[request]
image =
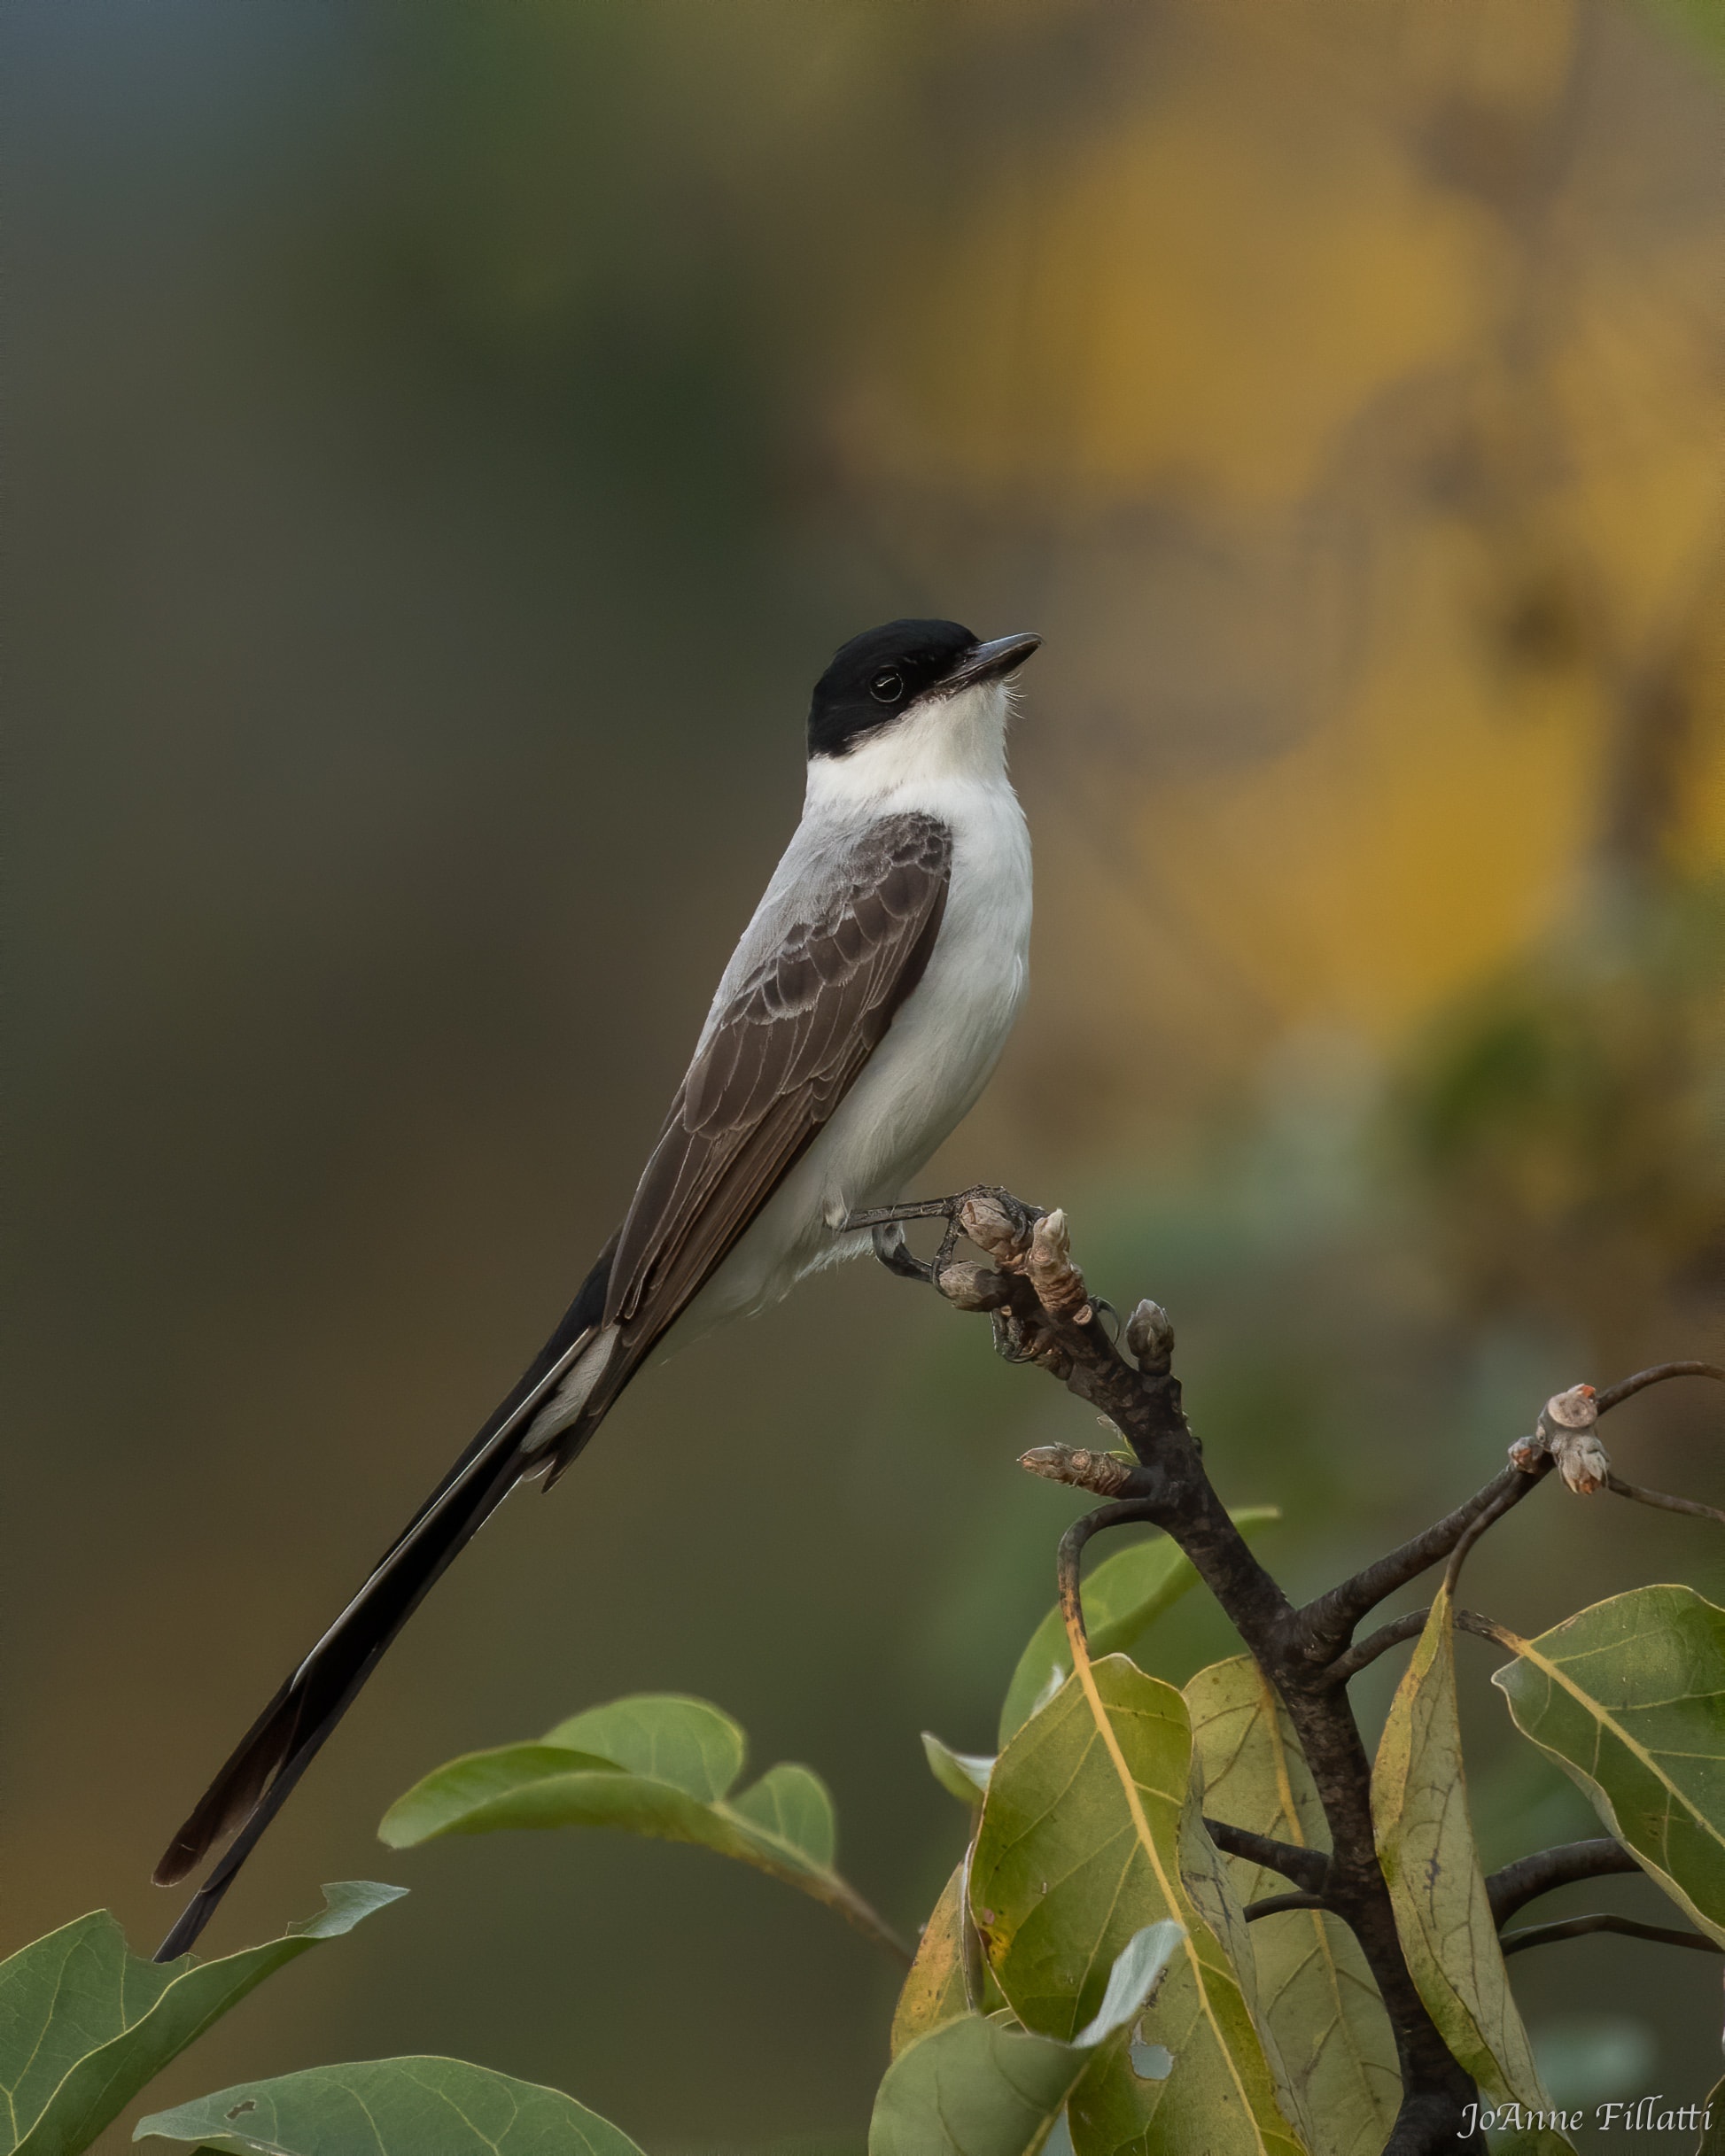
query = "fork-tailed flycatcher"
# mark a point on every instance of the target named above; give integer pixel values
(858, 1020)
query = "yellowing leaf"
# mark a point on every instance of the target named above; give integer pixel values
(1080, 1847)
(1426, 1846)
(1315, 1990)
(934, 1991)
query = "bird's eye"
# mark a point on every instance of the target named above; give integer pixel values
(887, 687)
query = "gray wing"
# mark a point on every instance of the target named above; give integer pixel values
(778, 1056)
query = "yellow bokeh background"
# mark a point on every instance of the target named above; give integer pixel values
(1255, 260)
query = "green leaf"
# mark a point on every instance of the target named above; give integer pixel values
(1628, 1697)
(961, 1774)
(1426, 1846)
(791, 1803)
(655, 1765)
(688, 1742)
(1315, 1990)
(85, 2023)
(1079, 1849)
(1124, 1597)
(391, 2107)
(1000, 2088)
(978, 2087)
(456, 1798)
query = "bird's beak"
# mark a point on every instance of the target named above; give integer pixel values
(990, 661)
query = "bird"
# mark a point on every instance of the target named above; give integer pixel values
(861, 1014)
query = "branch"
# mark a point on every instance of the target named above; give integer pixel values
(1626, 1388)
(1042, 1315)
(1273, 1904)
(1409, 1627)
(1530, 1877)
(1308, 1868)
(1327, 1621)
(1626, 1928)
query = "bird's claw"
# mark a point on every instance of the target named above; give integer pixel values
(895, 1254)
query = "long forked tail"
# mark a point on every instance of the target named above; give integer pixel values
(280, 1744)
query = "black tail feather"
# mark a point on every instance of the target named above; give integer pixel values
(263, 1769)
(262, 1773)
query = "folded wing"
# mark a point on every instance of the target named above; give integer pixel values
(776, 1061)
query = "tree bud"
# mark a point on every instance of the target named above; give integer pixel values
(972, 1287)
(1099, 1472)
(1150, 1336)
(1582, 1461)
(1566, 1430)
(1575, 1409)
(1059, 1284)
(991, 1227)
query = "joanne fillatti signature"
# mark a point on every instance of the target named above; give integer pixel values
(1642, 2116)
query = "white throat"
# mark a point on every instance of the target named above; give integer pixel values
(943, 743)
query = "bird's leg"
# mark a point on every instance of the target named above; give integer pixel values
(886, 1223)
(1023, 1217)
(912, 1209)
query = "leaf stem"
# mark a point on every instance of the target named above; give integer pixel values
(1489, 1517)
(1068, 1562)
(1625, 1928)
(839, 1894)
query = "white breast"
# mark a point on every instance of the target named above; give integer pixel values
(947, 1036)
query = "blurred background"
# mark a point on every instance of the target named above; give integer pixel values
(447, 442)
